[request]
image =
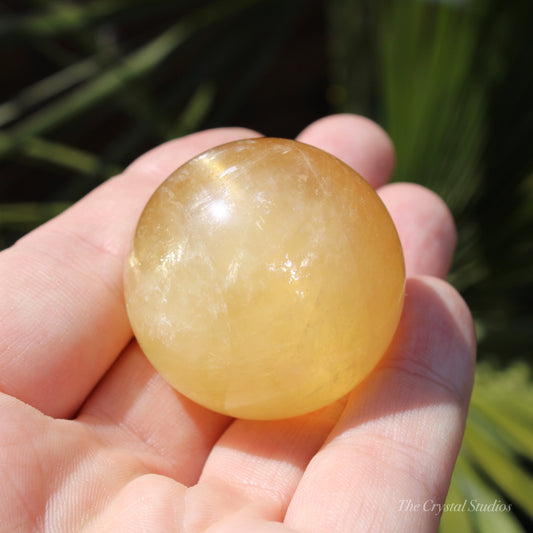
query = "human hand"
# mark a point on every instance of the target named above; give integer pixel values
(93, 439)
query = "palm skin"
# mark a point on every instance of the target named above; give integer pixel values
(93, 439)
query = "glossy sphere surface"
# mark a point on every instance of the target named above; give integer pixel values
(265, 279)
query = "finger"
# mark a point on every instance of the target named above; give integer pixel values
(62, 310)
(425, 227)
(399, 436)
(159, 504)
(259, 463)
(134, 408)
(357, 141)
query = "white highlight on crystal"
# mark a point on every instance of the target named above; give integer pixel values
(219, 210)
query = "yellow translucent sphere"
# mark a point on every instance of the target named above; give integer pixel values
(265, 280)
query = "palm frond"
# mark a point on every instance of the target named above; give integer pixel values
(494, 465)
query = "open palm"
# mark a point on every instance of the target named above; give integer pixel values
(93, 439)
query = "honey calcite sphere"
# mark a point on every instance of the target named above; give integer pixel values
(265, 279)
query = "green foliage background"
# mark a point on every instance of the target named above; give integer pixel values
(89, 85)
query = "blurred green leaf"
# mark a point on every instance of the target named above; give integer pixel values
(484, 508)
(196, 110)
(47, 88)
(499, 463)
(498, 444)
(58, 18)
(62, 155)
(30, 213)
(491, 467)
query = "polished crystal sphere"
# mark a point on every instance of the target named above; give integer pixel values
(265, 279)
